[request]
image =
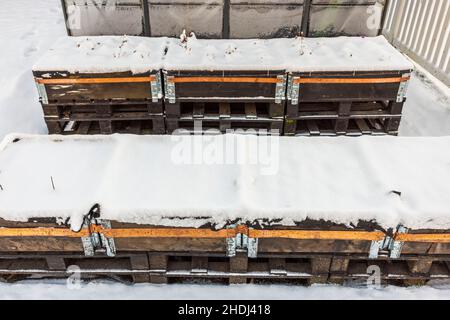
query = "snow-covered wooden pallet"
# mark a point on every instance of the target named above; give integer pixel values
(133, 206)
(168, 75)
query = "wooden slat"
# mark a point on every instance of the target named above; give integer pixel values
(223, 233)
(84, 126)
(312, 127)
(95, 80)
(319, 235)
(351, 80)
(165, 233)
(225, 79)
(224, 110)
(250, 110)
(362, 126)
(42, 232)
(198, 110)
(411, 237)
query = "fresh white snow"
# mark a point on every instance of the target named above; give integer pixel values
(293, 55)
(143, 179)
(104, 54)
(56, 290)
(27, 30)
(137, 54)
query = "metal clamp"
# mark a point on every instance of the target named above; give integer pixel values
(233, 242)
(293, 90)
(280, 89)
(156, 87)
(401, 94)
(396, 247)
(97, 242)
(375, 248)
(242, 242)
(169, 87)
(42, 92)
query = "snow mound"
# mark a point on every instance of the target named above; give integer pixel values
(153, 179)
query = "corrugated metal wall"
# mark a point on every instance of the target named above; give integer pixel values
(421, 29)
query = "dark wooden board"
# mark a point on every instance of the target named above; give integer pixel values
(214, 90)
(98, 91)
(322, 92)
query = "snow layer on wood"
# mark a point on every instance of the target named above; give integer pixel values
(150, 179)
(103, 54)
(298, 54)
(190, 53)
(344, 54)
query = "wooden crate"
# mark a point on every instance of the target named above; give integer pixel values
(146, 253)
(352, 103)
(224, 86)
(67, 88)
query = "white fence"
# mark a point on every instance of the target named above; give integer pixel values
(421, 29)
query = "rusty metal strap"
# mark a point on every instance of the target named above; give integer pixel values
(95, 80)
(225, 80)
(351, 80)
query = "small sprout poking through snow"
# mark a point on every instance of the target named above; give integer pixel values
(183, 36)
(231, 48)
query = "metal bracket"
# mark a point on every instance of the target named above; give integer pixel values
(375, 247)
(107, 243)
(89, 243)
(280, 89)
(242, 242)
(252, 247)
(232, 243)
(156, 88)
(97, 242)
(42, 92)
(293, 90)
(403, 88)
(396, 246)
(169, 86)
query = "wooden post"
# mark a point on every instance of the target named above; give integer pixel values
(140, 262)
(239, 263)
(145, 10)
(158, 263)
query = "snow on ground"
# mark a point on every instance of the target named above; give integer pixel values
(58, 289)
(28, 28)
(427, 109)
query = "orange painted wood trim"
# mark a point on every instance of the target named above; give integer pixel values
(225, 79)
(351, 80)
(223, 233)
(317, 234)
(95, 80)
(42, 232)
(433, 237)
(164, 233)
